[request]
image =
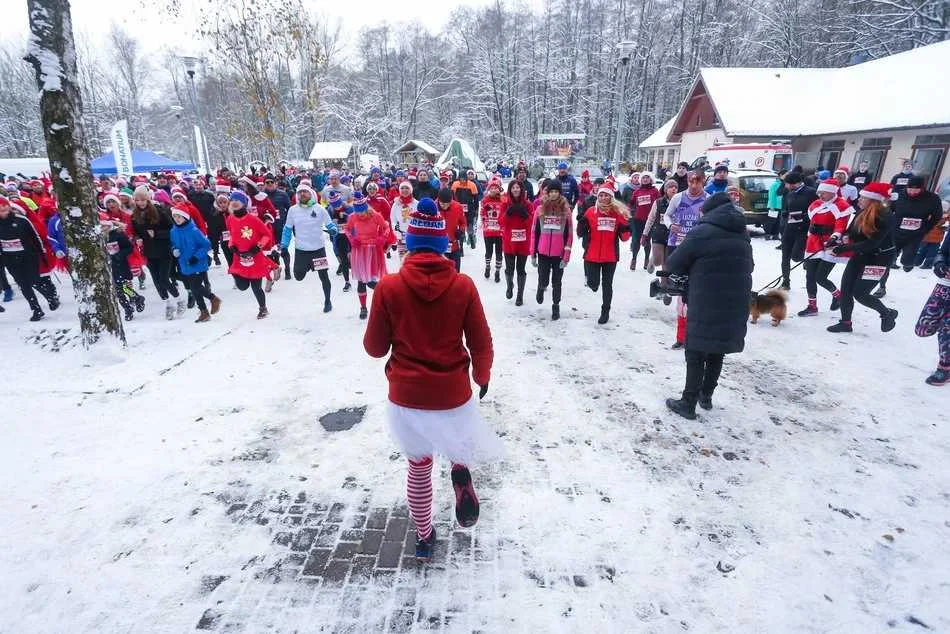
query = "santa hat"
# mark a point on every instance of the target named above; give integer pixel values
(239, 196)
(178, 191)
(426, 228)
(359, 203)
(606, 188)
(306, 181)
(336, 201)
(843, 169)
(36, 183)
(446, 175)
(495, 182)
(112, 197)
(876, 191)
(585, 174)
(222, 186)
(829, 186)
(126, 191)
(405, 185)
(181, 210)
(372, 184)
(247, 180)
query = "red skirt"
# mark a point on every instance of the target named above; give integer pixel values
(255, 267)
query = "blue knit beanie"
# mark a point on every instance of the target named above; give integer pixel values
(240, 197)
(335, 200)
(426, 230)
(359, 202)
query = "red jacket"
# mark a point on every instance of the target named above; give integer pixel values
(421, 313)
(381, 206)
(827, 219)
(491, 214)
(642, 199)
(262, 206)
(454, 222)
(585, 187)
(605, 231)
(515, 230)
(246, 233)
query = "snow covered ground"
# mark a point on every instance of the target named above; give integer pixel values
(192, 486)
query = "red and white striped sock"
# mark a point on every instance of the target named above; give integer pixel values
(836, 293)
(362, 297)
(419, 493)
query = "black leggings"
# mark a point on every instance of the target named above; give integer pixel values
(513, 262)
(816, 274)
(303, 264)
(638, 227)
(549, 268)
(456, 256)
(493, 244)
(793, 247)
(4, 282)
(255, 285)
(161, 270)
(199, 287)
(25, 272)
(854, 288)
(601, 271)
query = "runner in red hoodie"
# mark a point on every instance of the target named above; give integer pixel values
(421, 314)
(641, 200)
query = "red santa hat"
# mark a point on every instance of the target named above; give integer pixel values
(112, 197)
(606, 188)
(179, 209)
(222, 186)
(247, 180)
(876, 191)
(178, 191)
(494, 182)
(843, 169)
(829, 186)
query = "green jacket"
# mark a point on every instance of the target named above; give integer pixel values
(775, 201)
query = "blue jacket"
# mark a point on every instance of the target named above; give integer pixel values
(192, 247)
(716, 187)
(54, 229)
(569, 188)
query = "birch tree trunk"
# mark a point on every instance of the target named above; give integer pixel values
(52, 53)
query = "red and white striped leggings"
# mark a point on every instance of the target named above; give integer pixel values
(419, 494)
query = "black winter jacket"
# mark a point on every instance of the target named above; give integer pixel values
(717, 257)
(119, 248)
(924, 208)
(795, 204)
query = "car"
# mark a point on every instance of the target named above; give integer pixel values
(754, 186)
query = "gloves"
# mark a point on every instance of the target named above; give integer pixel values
(534, 260)
(563, 264)
(176, 252)
(942, 270)
(839, 249)
(193, 260)
(832, 241)
(254, 250)
(482, 392)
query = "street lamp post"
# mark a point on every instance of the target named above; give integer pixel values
(625, 49)
(191, 66)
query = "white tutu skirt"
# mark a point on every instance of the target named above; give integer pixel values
(460, 435)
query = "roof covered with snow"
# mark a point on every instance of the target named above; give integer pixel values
(327, 150)
(413, 144)
(464, 153)
(658, 138)
(900, 91)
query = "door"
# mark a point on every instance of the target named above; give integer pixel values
(928, 162)
(875, 159)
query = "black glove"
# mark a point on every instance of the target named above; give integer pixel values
(193, 260)
(941, 269)
(841, 248)
(482, 392)
(254, 250)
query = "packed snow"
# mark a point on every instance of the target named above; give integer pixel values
(813, 498)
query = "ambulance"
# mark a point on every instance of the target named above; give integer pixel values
(772, 156)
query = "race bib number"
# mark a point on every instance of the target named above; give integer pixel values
(608, 223)
(795, 216)
(873, 273)
(11, 246)
(247, 260)
(643, 200)
(901, 182)
(519, 235)
(320, 264)
(112, 248)
(773, 213)
(911, 224)
(859, 180)
(492, 225)
(551, 223)
(226, 236)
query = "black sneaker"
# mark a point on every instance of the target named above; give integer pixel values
(262, 313)
(37, 315)
(54, 303)
(841, 326)
(879, 293)
(677, 346)
(786, 285)
(424, 547)
(555, 312)
(139, 303)
(191, 301)
(497, 276)
(681, 407)
(540, 295)
(466, 502)
(327, 306)
(129, 315)
(487, 272)
(667, 300)
(347, 287)
(938, 378)
(811, 311)
(705, 401)
(287, 273)
(889, 321)
(510, 291)
(364, 313)
(835, 303)
(604, 316)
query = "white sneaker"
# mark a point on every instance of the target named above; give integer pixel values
(170, 309)
(182, 306)
(268, 285)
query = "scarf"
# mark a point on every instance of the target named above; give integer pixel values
(518, 206)
(405, 200)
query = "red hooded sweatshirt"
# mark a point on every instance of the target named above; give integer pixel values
(421, 314)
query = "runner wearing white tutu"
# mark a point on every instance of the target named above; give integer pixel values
(420, 314)
(369, 235)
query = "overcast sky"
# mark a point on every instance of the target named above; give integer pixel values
(93, 18)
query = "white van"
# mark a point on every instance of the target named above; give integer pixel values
(760, 156)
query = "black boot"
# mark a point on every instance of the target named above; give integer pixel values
(522, 278)
(510, 280)
(711, 372)
(487, 270)
(686, 409)
(38, 314)
(555, 312)
(497, 274)
(540, 295)
(604, 315)
(889, 320)
(786, 284)
(705, 400)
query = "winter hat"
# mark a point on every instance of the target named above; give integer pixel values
(178, 191)
(359, 203)
(916, 182)
(445, 195)
(494, 182)
(336, 201)
(143, 190)
(239, 196)
(375, 170)
(18, 206)
(11, 187)
(4, 200)
(405, 185)
(334, 173)
(721, 168)
(823, 175)
(303, 187)
(828, 185)
(716, 200)
(161, 196)
(222, 186)
(181, 210)
(843, 169)
(400, 174)
(585, 174)
(876, 191)
(372, 186)
(426, 229)
(562, 165)
(112, 197)
(126, 191)
(247, 180)
(345, 179)
(606, 188)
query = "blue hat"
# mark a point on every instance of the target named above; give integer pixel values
(823, 174)
(400, 173)
(426, 229)
(345, 179)
(240, 197)
(359, 202)
(562, 165)
(375, 170)
(336, 201)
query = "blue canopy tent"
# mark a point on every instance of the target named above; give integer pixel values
(142, 161)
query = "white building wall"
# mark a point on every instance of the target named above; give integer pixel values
(695, 144)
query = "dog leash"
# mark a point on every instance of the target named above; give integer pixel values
(778, 280)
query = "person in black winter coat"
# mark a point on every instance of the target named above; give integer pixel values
(281, 202)
(795, 202)
(119, 247)
(21, 250)
(681, 176)
(717, 257)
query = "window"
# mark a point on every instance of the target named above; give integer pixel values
(930, 152)
(874, 151)
(932, 139)
(883, 143)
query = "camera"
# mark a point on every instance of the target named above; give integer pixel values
(676, 285)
